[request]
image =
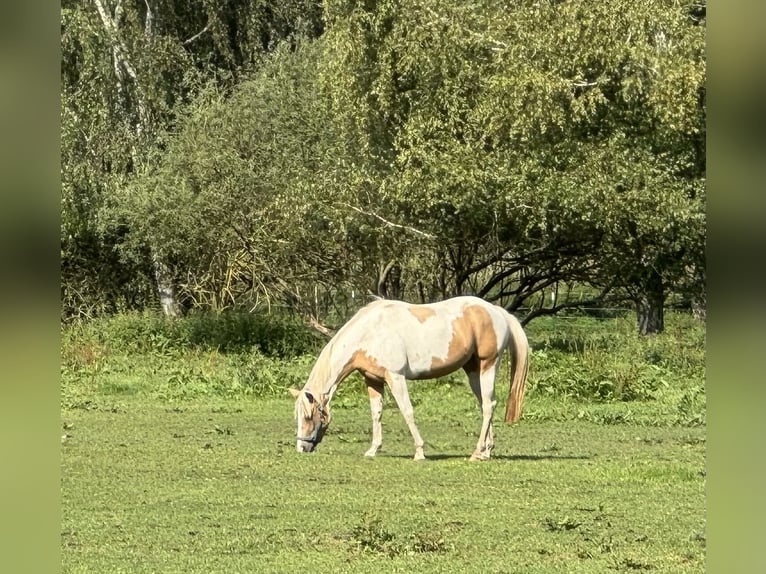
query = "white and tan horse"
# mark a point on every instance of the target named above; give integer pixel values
(389, 342)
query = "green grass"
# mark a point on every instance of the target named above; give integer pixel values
(220, 488)
(181, 458)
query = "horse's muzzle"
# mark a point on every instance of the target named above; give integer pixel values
(305, 446)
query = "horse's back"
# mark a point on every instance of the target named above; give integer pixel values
(424, 341)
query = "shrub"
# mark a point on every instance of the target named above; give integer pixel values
(276, 335)
(591, 360)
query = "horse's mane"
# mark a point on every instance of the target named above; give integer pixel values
(320, 372)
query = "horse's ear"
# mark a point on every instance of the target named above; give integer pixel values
(309, 397)
(294, 392)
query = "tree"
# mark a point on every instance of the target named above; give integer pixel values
(418, 150)
(539, 144)
(233, 199)
(127, 66)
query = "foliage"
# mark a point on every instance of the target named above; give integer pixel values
(582, 368)
(202, 355)
(127, 69)
(413, 149)
(583, 360)
(540, 143)
(275, 334)
(239, 184)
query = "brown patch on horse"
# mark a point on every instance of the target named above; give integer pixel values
(366, 364)
(421, 313)
(473, 339)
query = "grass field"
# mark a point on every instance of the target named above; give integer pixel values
(165, 468)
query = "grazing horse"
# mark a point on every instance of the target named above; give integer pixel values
(390, 341)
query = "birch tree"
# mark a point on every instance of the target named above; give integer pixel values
(128, 66)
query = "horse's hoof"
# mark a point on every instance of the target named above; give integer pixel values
(478, 457)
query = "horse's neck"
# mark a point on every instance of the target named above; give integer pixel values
(325, 376)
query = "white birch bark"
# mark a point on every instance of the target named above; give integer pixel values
(125, 71)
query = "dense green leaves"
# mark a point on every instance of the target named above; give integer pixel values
(571, 131)
(418, 149)
(127, 69)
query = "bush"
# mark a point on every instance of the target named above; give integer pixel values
(598, 370)
(592, 360)
(227, 355)
(274, 335)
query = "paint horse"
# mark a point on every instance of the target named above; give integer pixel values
(390, 341)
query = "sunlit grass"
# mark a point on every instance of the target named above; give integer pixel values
(182, 459)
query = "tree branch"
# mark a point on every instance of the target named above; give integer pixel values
(148, 23)
(111, 28)
(317, 326)
(444, 20)
(122, 60)
(197, 35)
(544, 311)
(497, 278)
(390, 223)
(383, 276)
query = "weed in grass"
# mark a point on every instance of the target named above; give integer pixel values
(261, 375)
(699, 537)
(607, 361)
(566, 523)
(372, 536)
(427, 541)
(629, 564)
(184, 382)
(691, 407)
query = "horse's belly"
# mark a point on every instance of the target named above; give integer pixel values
(433, 366)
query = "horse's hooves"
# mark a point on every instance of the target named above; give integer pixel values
(478, 458)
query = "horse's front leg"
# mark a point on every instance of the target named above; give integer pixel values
(398, 385)
(375, 391)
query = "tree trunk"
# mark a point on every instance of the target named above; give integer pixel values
(699, 293)
(650, 305)
(125, 72)
(699, 308)
(389, 285)
(165, 288)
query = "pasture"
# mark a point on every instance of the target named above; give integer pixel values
(178, 455)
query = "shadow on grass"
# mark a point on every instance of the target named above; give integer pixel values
(494, 457)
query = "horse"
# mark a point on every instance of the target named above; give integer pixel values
(390, 341)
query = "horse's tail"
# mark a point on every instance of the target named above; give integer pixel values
(519, 346)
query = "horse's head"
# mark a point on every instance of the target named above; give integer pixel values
(313, 415)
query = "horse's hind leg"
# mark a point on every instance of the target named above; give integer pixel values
(398, 386)
(375, 391)
(481, 377)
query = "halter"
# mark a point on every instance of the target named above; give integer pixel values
(313, 438)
